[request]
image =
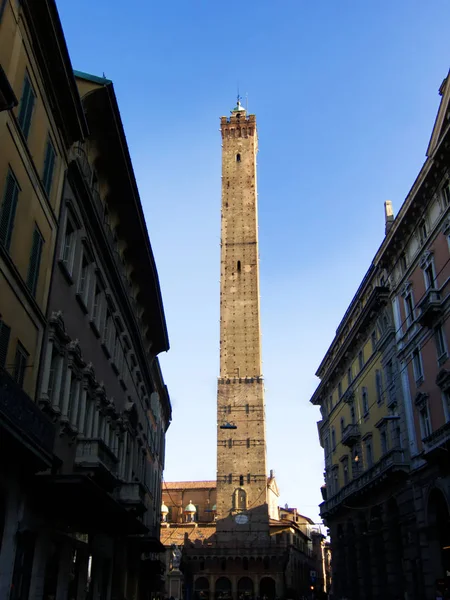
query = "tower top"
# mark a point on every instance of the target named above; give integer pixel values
(238, 108)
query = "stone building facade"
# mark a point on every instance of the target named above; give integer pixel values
(83, 404)
(384, 403)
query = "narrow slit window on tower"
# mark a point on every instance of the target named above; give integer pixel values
(238, 158)
(241, 480)
(248, 478)
(239, 266)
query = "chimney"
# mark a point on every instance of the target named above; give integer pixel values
(388, 216)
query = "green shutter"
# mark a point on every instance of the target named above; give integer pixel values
(26, 107)
(4, 341)
(49, 165)
(35, 261)
(8, 210)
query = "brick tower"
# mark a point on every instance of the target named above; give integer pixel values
(241, 440)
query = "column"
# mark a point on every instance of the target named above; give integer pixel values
(13, 508)
(95, 421)
(82, 417)
(39, 566)
(75, 403)
(56, 400)
(66, 396)
(47, 368)
(233, 580)
(82, 574)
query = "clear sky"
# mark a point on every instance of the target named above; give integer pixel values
(345, 93)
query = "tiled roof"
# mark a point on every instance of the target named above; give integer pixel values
(176, 535)
(188, 485)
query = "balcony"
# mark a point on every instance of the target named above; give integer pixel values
(391, 464)
(437, 445)
(95, 458)
(132, 496)
(430, 308)
(351, 435)
(24, 424)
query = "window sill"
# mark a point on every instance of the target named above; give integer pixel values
(366, 416)
(94, 328)
(65, 272)
(442, 359)
(123, 384)
(82, 303)
(115, 367)
(105, 350)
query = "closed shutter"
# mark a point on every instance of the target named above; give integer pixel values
(4, 341)
(35, 261)
(49, 164)
(26, 107)
(8, 210)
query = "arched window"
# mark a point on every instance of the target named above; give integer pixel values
(240, 499)
(238, 158)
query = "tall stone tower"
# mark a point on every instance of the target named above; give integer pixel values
(241, 439)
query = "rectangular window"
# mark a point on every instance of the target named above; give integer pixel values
(49, 166)
(365, 401)
(409, 309)
(429, 276)
(96, 305)
(369, 454)
(345, 469)
(333, 439)
(403, 263)
(440, 342)
(20, 363)
(84, 279)
(361, 360)
(373, 338)
(417, 366)
(349, 376)
(379, 386)
(384, 441)
(389, 372)
(5, 332)
(425, 422)
(26, 106)
(8, 210)
(423, 231)
(35, 261)
(446, 193)
(68, 249)
(340, 390)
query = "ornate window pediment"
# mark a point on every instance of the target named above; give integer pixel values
(443, 380)
(421, 400)
(425, 259)
(406, 289)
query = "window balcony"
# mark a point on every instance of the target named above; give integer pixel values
(430, 308)
(351, 435)
(437, 445)
(24, 428)
(95, 458)
(132, 496)
(393, 464)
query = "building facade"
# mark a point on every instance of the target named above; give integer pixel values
(83, 404)
(384, 404)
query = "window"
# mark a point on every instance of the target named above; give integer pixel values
(241, 480)
(330, 404)
(326, 446)
(339, 390)
(369, 454)
(8, 210)
(333, 439)
(230, 478)
(409, 309)
(239, 266)
(4, 342)
(84, 279)
(373, 338)
(423, 232)
(97, 305)
(349, 376)
(379, 386)
(361, 360)
(26, 106)
(365, 401)
(20, 363)
(446, 193)
(389, 370)
(238, 158)
(336, 479)
(384, 440)
(425, 424)
(345, 469)
(35, 261)
(440, 343)
(342, 423)
(49, 166)
(68, 248)
(403, 262)
(428, 273)
(352, 414)
(417, 366)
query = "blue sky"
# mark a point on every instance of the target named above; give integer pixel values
(345, 94)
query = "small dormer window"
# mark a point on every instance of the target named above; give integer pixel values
(238, 158)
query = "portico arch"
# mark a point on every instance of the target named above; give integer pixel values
(223, 589)
(245, 589)
(201, 589)
(267, 588)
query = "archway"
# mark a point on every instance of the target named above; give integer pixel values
(439, 523)
(245, 589)
(267, 588)
(223, 589)
(201, 589)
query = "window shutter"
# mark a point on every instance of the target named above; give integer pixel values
(49, 165)
(26, 107)
(35, 261)
(8, 210)
(4, 341)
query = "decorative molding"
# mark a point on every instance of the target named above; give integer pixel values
(425, 259)
(407, 287)
(421, 399)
